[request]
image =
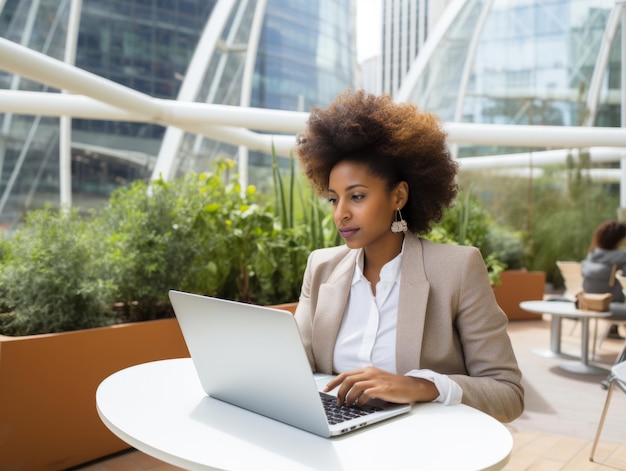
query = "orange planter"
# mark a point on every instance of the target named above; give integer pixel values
(517, 286)
(291, 307)
(48, 417)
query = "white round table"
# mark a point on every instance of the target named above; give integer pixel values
(160, 409)
(558, 310)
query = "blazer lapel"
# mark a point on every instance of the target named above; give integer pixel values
(331, 305)
(414, 289)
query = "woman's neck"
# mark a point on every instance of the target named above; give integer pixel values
(375, 258)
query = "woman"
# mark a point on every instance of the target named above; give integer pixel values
(604, 259)
(393, 315)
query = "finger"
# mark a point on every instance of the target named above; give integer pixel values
(333, 383)
(347, 382)
(352, 397)
(364, 392)
(363, 398)
(359, 394)
(342, 393)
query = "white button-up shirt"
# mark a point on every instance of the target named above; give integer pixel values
(367, 336)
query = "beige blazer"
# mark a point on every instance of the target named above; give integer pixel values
(448, 320)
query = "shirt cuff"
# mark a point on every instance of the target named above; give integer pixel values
(450, 393)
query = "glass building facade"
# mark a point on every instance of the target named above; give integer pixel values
(304, 57)
(306, 54)
(535, 62)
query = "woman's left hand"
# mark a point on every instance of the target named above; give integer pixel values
(359, 386)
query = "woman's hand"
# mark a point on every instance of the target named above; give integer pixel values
(359, 386)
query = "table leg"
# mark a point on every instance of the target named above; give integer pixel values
(556, 328)
(555, 341)
(583, 367)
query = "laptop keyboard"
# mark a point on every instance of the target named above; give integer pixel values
(337, 414)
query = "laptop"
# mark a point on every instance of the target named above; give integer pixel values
(253, 357)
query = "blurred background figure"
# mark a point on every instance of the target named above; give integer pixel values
(604, 259)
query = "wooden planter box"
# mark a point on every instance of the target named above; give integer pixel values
(48, 417)
(517, 286)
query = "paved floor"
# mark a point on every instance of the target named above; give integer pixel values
(559, 423)
(556, 430)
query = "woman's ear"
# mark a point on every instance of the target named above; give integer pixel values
(401, 194)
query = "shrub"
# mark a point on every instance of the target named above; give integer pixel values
(151, 241)
(198, 233)
(202, 234)
(555, 213)
(49, 275)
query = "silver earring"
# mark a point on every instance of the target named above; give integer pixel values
(399, 225)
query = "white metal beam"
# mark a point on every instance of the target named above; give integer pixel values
(423, 58)
(176, 113)
(539, 158)
(468, 65)
(469, 59)
(195, 115)
(65, 122)
(246, 81)
(192, 82)
(36, 66)
(535, 136)
(599, 70)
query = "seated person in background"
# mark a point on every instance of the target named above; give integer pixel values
(604, 258)
(395, 316)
